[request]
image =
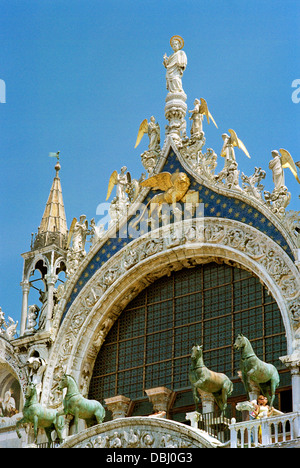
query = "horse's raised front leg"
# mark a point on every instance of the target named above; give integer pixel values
(20, 423)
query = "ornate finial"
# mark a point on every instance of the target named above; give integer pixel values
(57, 166)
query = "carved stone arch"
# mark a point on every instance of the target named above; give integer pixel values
(58, 263)
(142, 432)
(33, 264)
(111, 288)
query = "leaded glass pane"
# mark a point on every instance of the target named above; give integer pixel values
(159, 316)
(129, 353)
(159, 346)
(157, 373)
(188, 309)
(130, 383)
(161, 290)
(131, 323)
(217, 301)
(188, 282)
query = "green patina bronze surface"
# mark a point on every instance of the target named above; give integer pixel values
(264, 375)
(34, 413)
(208, 381)
(76, 405)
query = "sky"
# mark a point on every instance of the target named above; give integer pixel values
(81, 75)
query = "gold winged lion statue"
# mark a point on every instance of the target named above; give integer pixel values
(174, 187)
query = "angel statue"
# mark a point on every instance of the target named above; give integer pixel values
(175, 65)
(278, 163)
(122, 181)
(229, 142)
(78, 232)
(153, 130)
(198, 113)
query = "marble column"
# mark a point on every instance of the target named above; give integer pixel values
(51, 280)
(25, 289)
(292, 362)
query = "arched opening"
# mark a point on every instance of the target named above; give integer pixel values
(10, 393)
(39, 287)
(150, 344)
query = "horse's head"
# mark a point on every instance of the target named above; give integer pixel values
(30, 391)
(197, 352)
(240, 342)
(63, 382)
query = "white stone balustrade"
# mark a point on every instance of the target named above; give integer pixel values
(285, 427)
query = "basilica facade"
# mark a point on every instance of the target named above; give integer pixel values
(195, 253)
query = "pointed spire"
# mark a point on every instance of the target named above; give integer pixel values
(53, 228)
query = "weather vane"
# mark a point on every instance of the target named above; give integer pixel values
(55, 155)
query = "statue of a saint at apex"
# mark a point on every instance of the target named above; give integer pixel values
(175, 65)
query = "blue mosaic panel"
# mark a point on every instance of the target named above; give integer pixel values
(215, 205)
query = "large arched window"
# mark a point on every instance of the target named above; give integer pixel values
(150, 344)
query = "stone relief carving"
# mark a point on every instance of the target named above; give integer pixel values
(8, 329)
(142, 432)
(136, 439)
(252, 184)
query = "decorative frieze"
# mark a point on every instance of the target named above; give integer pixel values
(141, 432)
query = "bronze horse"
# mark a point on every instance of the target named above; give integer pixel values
(40, 417)
(78, 406)
(264, 375)
(208, 381)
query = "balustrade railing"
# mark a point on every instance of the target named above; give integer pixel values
(265, 431)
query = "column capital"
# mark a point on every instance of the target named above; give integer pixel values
(118, 405)
(25, 285)
(292, 362)
(160, 398)
(51, 279)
